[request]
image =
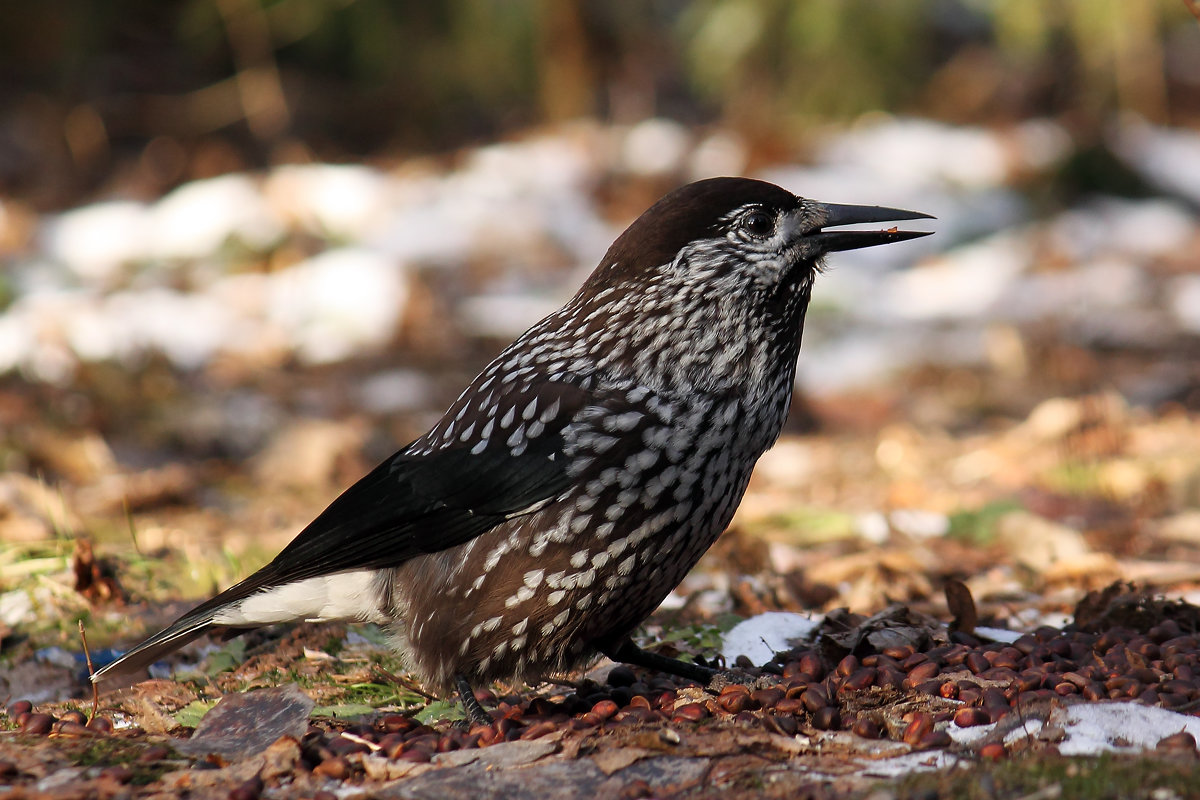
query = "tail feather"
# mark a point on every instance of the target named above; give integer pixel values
(185, 629)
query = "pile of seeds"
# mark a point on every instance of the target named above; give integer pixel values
(900, 693)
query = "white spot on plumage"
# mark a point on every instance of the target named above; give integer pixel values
(344, 595)
(519, 628)
(492, 623)
(533, 579)
(555, 597)
(523, 594)
(508, 418)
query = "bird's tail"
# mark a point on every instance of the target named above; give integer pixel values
(185, 629)
(190, 626)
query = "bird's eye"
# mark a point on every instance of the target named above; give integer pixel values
(758, 223)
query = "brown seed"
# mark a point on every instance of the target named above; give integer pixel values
(1008, 658)
(949, 690)
(418, 755)
(1172, 700)
(993, 751)
(1025, 644)
(639, 701)
(858, 680)
(890, 677)
(100, 725)
(1146, 675)
(810, 664)
(396, 723)
(918, 727)
(826, 718)
(899, 651)
(733, 702)
(970, 717)
(921, 673)
(815, 698)
(993, 697)
(767, 698)
(789, 705)
(39, 724)
(999, 675)
(914, 661)
(75, 716)
(867, 728)
(690, 712)
(847, 665)
(338, 767)
(1177, 741)
(791, 670)
(71, 728)
(605, 709)
(19, 707)
(976, 662)
(783, 725)
(745, 718)
(539, 730)
(935, 739)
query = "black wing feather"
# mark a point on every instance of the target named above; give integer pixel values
(409, 505)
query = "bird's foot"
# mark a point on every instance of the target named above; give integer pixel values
(627, 652)
(466, 695)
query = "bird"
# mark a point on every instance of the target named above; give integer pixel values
(581, 475)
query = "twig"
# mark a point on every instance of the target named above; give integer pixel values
(405, 683)
(87, 654)
(374, 748)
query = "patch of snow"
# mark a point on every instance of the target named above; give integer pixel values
(761, 637)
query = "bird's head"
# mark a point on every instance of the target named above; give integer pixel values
(712, 281)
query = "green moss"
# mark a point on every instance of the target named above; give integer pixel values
(1059, 778)
(978, 527)
(113, 750)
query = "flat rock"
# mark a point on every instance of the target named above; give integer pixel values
(245, 724)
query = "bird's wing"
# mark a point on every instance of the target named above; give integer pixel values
(417, 502)
(421, 500)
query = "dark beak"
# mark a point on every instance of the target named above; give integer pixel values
(831, 241)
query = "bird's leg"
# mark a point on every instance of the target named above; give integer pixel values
(626, 652)
(467, 696)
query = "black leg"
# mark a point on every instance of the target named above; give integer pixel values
(467, 696)
(625, 651)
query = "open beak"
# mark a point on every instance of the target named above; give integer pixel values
(831, 241)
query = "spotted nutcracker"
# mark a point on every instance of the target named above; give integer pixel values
(581, 475)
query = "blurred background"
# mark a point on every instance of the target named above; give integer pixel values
(250, 247)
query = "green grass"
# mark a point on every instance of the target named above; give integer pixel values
(1057, 778)
(978, 527)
